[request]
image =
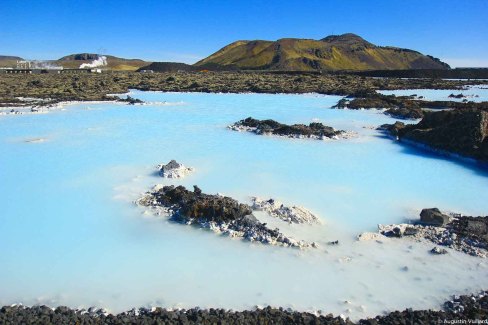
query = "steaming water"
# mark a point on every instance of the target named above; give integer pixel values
(71, 236)
(477, 93)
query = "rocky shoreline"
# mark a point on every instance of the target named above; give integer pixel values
(459, 309)
(221, 214)
(314, 130)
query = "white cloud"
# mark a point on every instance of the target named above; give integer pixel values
(466, 63)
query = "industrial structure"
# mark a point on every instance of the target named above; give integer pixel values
(23, 65)
(40, 67)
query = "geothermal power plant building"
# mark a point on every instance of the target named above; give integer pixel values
(30, 67)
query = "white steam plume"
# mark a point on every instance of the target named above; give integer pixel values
(45, 65)
(99, 62)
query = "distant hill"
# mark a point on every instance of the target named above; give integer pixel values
(335, 52)
(74, 61)
(7, 61)
(168, 67)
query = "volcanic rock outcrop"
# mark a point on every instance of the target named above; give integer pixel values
(461, 132)
(313, 130)
(462, 233)
(456, 310)
(433, 217)
(218, 213)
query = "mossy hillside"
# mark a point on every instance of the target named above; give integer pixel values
(342, 52)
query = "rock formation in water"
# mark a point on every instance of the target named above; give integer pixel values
(462, 233)
(461, 132)
(278, 210)
(434, 217)
(267, 127)
(403, 107)
(174, 169)
(458, 96)
(219, 213)
(131, 101)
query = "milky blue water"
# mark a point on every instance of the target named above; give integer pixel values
(71, 235)
(476, 93)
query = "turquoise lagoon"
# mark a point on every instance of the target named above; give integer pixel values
(71, 235)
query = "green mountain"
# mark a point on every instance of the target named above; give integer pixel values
(335, 52)
(74, 61)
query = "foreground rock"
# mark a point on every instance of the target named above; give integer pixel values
(313, 130)
(288, 214)
(458, 310)
(433, 217)
(63, 315)
(460, 132)
(218, 213)
(462, 233)
(173, 169)
(466, 309)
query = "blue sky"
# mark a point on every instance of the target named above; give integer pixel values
(186, 31)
